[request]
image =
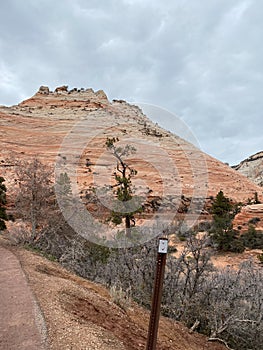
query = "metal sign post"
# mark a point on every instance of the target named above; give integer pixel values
(157, 294)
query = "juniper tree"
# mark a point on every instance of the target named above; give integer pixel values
(222, 233)
(123, 186)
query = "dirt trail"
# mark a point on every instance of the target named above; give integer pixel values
(21, 323)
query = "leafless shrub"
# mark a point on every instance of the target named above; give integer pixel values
(184, 280)
(233, 307)
(133, 268)
(121, 297)
(35, 195)
(18, 234)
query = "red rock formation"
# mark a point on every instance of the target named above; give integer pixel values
(250, 214)
(166, 164)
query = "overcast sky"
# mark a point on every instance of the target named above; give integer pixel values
(200, 60)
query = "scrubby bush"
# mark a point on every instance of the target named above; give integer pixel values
(252, 239)
(121, 297)
(204, 226)
(254, 221)
(260, 257)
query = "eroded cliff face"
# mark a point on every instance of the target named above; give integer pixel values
(249, 215)
(72, 126)
(252, 168)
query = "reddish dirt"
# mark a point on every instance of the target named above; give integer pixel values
(21, 323)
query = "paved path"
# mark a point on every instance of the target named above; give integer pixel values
(21, 323)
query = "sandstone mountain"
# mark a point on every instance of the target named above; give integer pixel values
(252, 167)
(68, 130)
(77, 122)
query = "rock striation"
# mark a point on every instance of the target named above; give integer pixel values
(250, 215)
(252, 167)
(168, 166)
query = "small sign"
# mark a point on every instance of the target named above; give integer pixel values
(163, 245)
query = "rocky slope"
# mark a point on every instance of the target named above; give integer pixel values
(252, 167)
(76, 123)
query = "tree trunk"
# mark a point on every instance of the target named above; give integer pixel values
(33, 224)
(128, 226)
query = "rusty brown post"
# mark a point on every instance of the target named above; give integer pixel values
(157, 294)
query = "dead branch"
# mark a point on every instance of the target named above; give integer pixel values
(194, 326)
(221, 341)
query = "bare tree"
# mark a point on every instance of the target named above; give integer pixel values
(35, 193)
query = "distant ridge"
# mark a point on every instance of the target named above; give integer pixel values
(252, 167)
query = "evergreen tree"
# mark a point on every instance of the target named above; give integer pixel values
(123, 185)
(222, 211)
(252, 239)
(3, 215)
(222, 233)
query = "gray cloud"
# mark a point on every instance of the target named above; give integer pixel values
(200, 60)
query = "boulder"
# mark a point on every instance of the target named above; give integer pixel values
(63, 88)
(43, 90)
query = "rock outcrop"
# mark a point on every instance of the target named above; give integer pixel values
(252, 167)
(250, 215)
(43, 90)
